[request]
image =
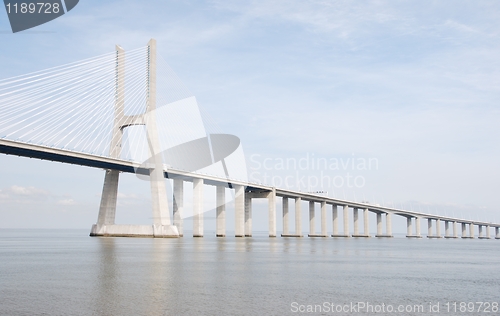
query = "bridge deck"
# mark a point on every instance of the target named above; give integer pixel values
(84, 159)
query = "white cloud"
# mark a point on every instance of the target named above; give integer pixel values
(27, 191)
(66, 202)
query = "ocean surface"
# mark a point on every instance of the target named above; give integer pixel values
(66, 272)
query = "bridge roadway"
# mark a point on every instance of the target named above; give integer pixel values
(254, 190)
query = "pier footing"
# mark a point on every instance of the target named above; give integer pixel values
(158, 231)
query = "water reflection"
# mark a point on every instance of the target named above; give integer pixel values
(107, 277)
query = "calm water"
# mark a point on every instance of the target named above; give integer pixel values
(68, 273)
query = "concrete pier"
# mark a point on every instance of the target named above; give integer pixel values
(379, 225)
(178, 205)
(298, 217)
(484, 232)
(335, 220)
(388, 225)
(220, 229)
(447, 229)
(471, 230)
(197, 207)
(286, 229)
(464, 230)
(107, 209)
(366, 223)
(409, 228)
(357, 233)
(497, 233)
(239, 211)
(271, 200)
(355, 216)
(311, 219)
(248, 215)
(418, 230)
(437, 233)
(324, 232)
(346, 220)
(312, 229)
(345, 233)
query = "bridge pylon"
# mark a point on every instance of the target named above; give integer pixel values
(161, 226)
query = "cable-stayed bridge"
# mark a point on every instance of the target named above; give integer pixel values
(128, 112)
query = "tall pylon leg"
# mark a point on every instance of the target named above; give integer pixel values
(161, 216)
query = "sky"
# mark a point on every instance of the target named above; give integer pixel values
(399, 98)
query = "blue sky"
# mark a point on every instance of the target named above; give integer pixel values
(413, 84)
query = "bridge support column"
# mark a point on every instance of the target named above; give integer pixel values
(248, 215)
(455, 233)
(286, 230)
(429, 228)
(312, 228)
(271, 199)
(464, 230)
(324, 232)
(335, 220)
(366, 228)
(239, 211)
(298, 217)
(438, 228)
(178, 203)
(355, 215)
(480, 227)
(497, 233)
(471, 230)
(447, 229)
(161, 215)
(107, 209)
(345, 222)
(487, 232)
(356, 223)
(388, 224)
(220, 212)
(379, 225)
(311, 219)
(409, 229)
(417, 224)
(197, 207)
